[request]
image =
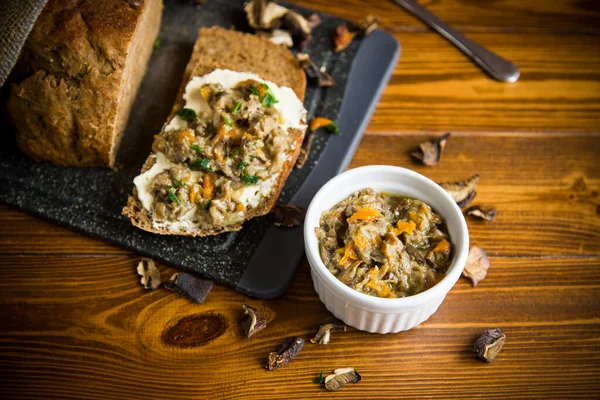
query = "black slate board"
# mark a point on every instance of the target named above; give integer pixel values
(90, 199)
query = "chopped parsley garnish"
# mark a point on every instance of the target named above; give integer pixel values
(249, 180)
(226, 121)
(236, 107)
(242, 165)
(269, 98)
(254, 89)
(320, 378)
(187, 114)
(156, 44)
(196, 147)
(173, 197)
(177, 183)
(201, 163)
(333, 128)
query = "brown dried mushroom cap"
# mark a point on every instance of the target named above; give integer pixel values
(254, 321)
(340, 377)
(323, 335)
(278, 36)
(487, 214)
(264, 14)
(368, 24)
(196, 289)
(313, 72)
(342, 38)
(462, 192)
(489, 344)
(149, 273)
(297, 25)
(288, 215)
(314, 20)
(477, 265)
(305, 149)
(429, 152)
(286, 353)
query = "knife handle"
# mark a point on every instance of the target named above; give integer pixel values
(497, 67)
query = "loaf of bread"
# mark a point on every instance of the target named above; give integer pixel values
(77, 78)
(198, 194)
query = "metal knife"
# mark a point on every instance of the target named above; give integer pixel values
(497, 67)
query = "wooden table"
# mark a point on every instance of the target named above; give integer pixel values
(75, 322)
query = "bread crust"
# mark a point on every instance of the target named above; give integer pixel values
(78, 76)
(200, 65)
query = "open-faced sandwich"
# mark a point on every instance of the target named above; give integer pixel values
(230, 142)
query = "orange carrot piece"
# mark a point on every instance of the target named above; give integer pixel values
(360, 241)
(368, 214)
(349, 254)
(319, 122)
(208, 186)
(442, 245)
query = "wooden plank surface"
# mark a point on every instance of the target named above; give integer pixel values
(75, 323)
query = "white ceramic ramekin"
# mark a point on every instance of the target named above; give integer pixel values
(369, 313)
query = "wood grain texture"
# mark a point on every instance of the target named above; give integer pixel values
(76, 324)
(558, 16)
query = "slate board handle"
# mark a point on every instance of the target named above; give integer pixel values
(272, 266)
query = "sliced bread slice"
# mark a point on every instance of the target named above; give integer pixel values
(220, 49)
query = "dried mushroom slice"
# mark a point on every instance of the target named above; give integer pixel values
(462, 192)
(305, 149)
(342, 38)
(196, 289)
(149, 273)
(313, 72)
(278, 36)
(477, 265)
(429, 152)
(254, 321)
(323, 335)
(288, 215)
(340, 377)
(487, 214)
(298, 26)
(286, 353)
(489, 344)
(368, 24)
(264, 14)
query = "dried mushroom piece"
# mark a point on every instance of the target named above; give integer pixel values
(323, 335)
(264, 14)
(429, 152)
(286, 353)
(288, 215)
(342, 38)
(477, 265)
(305, 149)
(489, 344)
(196, 289)
(313, 72)
(149, 273)
(487, 214)
(278, 36)
(368, 24)
(298, 26)
(254, 321)
(314, 20)
(340, 377)
(462, 192)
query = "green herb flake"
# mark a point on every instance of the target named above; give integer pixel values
(196, 147)
(226, 121)
(187, 114)
(242, 165)
(234, 152)
(269, 100)
(236, 107)
(177, 183)
(321, 378)
(173, 197)
(156, 44)
(249, 180)
(333, 128)
(254, 89)
(201, 163)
